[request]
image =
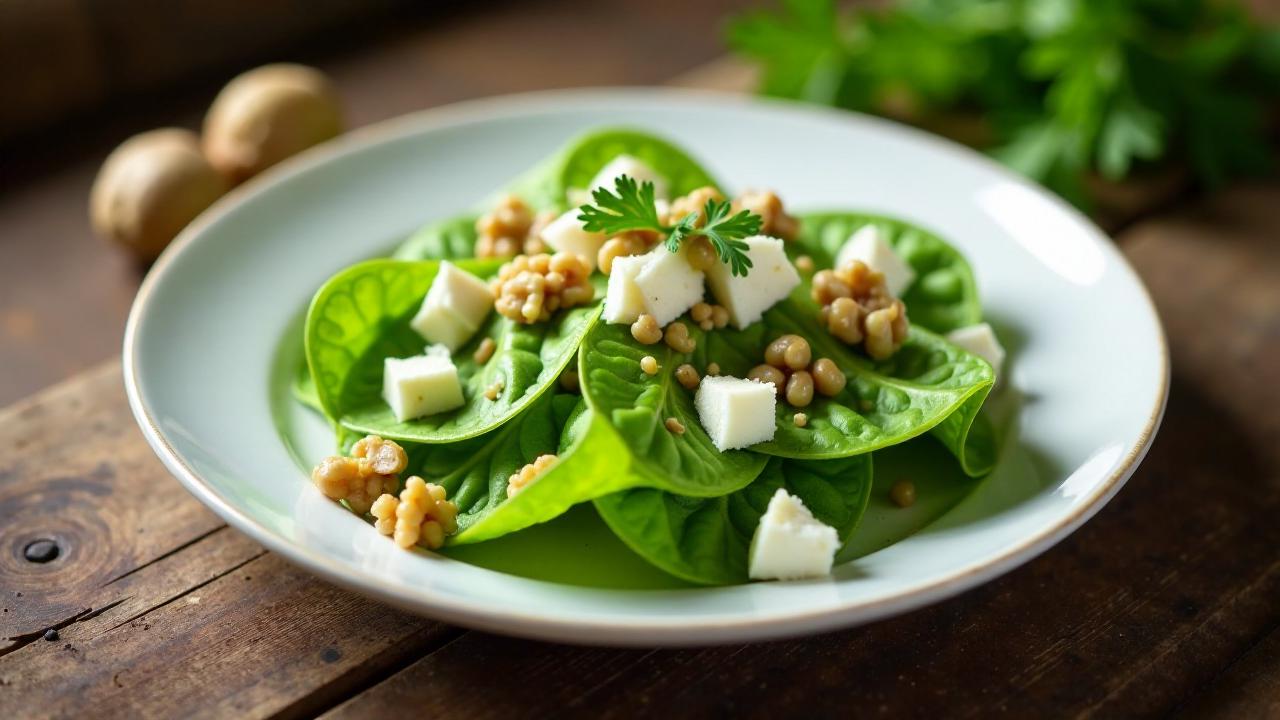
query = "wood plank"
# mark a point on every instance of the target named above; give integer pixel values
(161, 609)
(1250, 688)
(1130, 616)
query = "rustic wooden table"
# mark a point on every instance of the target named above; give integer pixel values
(1166, 601)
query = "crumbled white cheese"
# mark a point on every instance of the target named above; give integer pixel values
(578, 197)
(454, 308)
(623, 301)
(421, 385)
(736, 413)
(789, 543)
(668, 284)
(980, 340)
(632, 167)
(868, 244)
(566, 234)
(771, 278)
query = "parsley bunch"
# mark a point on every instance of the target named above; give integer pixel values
(633, 207)
(1064, 87)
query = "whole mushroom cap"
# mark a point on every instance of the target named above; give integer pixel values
(150, 188)
(268, 114)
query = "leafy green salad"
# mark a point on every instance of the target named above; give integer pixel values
(712, 372)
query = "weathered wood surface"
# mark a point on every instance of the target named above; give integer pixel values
(163, 611)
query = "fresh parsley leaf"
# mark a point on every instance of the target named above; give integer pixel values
(725, 232)
(633, 207)
(1061, 88)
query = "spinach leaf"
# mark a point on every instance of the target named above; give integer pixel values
(475, 472)
(361, 316)
(546, 186)
(585, 157)
(942, 298)
(303, 388)
(634, 406)
(450, 239)
(929, 384)
(706, 540)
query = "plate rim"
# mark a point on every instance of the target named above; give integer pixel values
(629, 631)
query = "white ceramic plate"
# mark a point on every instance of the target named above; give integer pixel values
(212, 343)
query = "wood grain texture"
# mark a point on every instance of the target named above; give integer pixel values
(161, 609)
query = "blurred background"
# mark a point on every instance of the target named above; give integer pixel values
(1118, 106)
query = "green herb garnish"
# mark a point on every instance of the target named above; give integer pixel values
(1061, 88)
(633, 207)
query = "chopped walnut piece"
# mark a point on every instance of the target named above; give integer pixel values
(384, 457)
(348, 480)
(484, 351)
(359, 480)
(774, 220)
(502, 231)
(635, 242)
(903, 493)
(677, 337)
(687, 376)
(569, 381)
(533, 242)
(526, 474)
(532, 287)
(422, 517)
(674, 426)
(857, 305)
(645, 330)
(787, 365)
(649, 364)
(695, 201)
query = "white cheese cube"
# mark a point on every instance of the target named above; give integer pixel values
(771, 278)
(454, 307)
(578, 197)
(632, 167)
(668, 284)
(623, 301)
(736, 413)
(421, 385)
(565, 234)
(790, 543)
(868, 245)
(980, 340)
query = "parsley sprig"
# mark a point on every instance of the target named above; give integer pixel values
(632, 206)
